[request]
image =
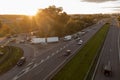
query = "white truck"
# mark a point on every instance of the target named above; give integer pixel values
(52, 39)
(38, 40)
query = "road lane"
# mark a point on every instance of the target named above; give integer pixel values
(45, 67)
(110, 53)
(47, 57)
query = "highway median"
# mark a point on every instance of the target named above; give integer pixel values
(79, 66)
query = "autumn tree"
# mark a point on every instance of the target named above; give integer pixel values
(5, 29)
(51, 21)
(0, 24)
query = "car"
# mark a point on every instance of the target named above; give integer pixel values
(67, 38)
(67, 53)
(107, 69)
(1, 53)
(77, 39)
(80, 42)
(21, 61)
(12, 40)
(22, 41)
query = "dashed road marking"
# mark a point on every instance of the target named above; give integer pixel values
(42, 61)
(47, 57)
(61, 48)
(35, 65)
(21, 73)
(53, 54)
(30, 64)
(57, 51)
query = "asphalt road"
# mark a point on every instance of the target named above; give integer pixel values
(43, 60)
(28, 52)
(45, 64)
(110, 52)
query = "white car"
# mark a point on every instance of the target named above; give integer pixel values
(80, 42)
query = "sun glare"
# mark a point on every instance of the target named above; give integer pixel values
(30, 7)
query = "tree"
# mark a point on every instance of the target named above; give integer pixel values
(0, 24)
(51, 21)
(5, 29)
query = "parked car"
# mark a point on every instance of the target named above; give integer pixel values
(21, 61)
(67, 53)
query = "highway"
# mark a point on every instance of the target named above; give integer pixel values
(110, 52)
(28, 52)
(46, 59)
(45, 64)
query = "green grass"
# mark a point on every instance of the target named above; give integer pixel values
(14, 55)
(77, 67)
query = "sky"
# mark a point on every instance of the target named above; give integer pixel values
(30, 7)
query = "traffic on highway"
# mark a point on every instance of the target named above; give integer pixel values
(44, 57)
(44, 60)
(108, 67)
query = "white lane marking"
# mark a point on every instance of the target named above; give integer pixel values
(119, 45)
(42, 61)
(26, 70)
(57, 51)
(35, 65)
(39, 63)
(47, 57)
(30, 64)
(21, 73)
(53, 54)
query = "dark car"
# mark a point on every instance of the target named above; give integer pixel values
(21, 61)
(68, 52)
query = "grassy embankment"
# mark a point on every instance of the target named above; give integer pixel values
(10, 58)
(78, 66)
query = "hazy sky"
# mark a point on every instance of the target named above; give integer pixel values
(70, 6)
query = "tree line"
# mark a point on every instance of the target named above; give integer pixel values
(51, 21)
